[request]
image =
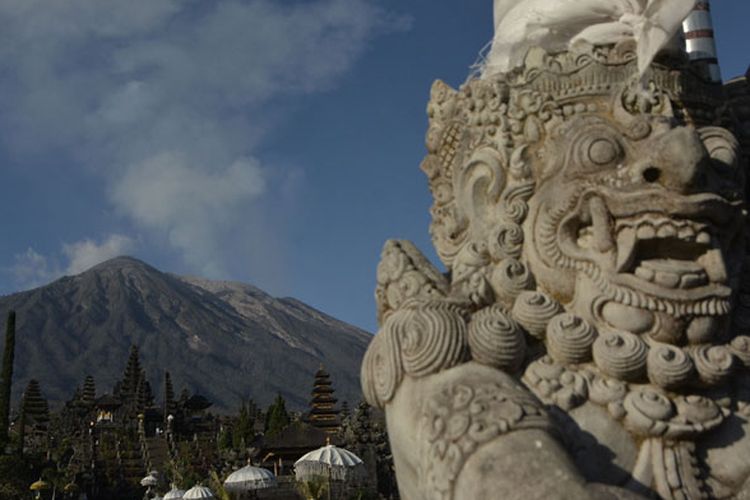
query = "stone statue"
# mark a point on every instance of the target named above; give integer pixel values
(591, 338)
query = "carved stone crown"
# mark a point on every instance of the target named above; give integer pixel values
(511, 113)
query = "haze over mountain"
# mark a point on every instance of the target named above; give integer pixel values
(228, 341)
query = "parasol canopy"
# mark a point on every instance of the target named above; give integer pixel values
(198, 492)
(337, 463)
(39, 485)
(174, 494)
(250, 478)
(150, 480)
(71, 488)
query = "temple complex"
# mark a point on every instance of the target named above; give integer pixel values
(103, 445)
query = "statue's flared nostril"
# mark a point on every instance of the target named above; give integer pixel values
(651, 174)
(678, 161)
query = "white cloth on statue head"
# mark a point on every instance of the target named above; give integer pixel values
(555, 25)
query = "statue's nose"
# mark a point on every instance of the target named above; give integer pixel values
(676, 161)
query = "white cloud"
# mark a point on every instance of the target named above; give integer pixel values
(167, 100)
(31, 269)
(192, 204)
(86, 253)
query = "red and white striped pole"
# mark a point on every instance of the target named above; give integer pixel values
(699, 38)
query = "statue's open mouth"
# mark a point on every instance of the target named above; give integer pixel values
(668, 253)
(655, 252)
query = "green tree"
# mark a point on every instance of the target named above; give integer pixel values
(180, 469)
(224, 439)
(6, 378)
(277, 417)
(16, 474)
(243, 429)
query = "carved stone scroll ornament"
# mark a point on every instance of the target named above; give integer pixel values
(594, 319)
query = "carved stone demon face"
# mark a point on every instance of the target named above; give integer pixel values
(635, 224)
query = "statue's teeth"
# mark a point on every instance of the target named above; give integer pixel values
(626, 239)
(644, 273)
(670, 308)
(686, 233)
(713, 263)
(666, 231)
(667, 279)
(703, 237)
(600, 222)
(645, 232)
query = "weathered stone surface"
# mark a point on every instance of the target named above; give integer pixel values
(593, 324)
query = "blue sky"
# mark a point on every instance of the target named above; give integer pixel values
(272, 142)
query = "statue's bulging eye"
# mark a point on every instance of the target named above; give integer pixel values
(603, 152)
(597, 152)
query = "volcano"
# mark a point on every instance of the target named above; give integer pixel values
(226, 340)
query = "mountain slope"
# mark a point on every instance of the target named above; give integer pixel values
(225, 340)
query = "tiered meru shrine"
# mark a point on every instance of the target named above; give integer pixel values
(100, 446)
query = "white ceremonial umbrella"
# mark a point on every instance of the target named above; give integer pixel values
(329, 461)
(332, 461)
(150, 480)
(249, 478)
(198, 492)
(174, 494)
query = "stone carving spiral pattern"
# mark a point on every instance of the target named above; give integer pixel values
(496, 340)
(506, 241)
(740, 347)
(669, 366)
(415, 342)
(621, 355)
(509, 278)
(714, 363)
(533, 310)
(432, 338)
(569, 339)
(381, 370)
